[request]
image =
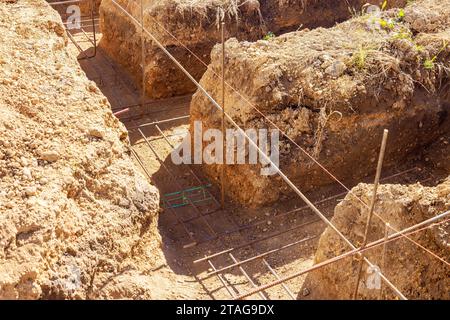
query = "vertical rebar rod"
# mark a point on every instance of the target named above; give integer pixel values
(222, 173)
(383, 255)
(372, 206)
(93, 26)
(142, 55)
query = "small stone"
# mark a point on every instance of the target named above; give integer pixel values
(305, 292)
(30, 191)
(336, 69)
(26, 172)
(96, 133)
(269, 222)
(125, 203)
(23, 161)
(50, 156)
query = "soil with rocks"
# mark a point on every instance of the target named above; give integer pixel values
(415, 272)
(332, 92)
(77, 220)
(195, 25)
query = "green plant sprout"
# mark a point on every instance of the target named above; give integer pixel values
(359, 59)
(269, 35)
(401, 15)
(429, 64)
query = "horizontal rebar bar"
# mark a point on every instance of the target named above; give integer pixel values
(157, 122)
(271, 236)
(262, 255)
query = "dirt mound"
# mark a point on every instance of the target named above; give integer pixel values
(196, 25)
(76, 219)
(416, 273)
(333, 91)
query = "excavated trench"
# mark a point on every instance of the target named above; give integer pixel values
(131, 261)
(330, 93)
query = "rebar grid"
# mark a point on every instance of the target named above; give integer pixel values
(199, 213)
(221, 77)
(255, 146)
(237, 263)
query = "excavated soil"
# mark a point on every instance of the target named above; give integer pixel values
(177, 24)
(77, 220)
(333, 91)
(416, 273)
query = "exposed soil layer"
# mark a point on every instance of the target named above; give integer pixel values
(416, 273)
(77, 220)
(195, 24)
(89, 6)
(332, 92)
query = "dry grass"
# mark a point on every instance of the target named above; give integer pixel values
(224, 8)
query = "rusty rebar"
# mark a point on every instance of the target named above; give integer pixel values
(383, 255)
(222, 171)
(372, 206)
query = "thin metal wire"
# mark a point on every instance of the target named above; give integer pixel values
(372, 206)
